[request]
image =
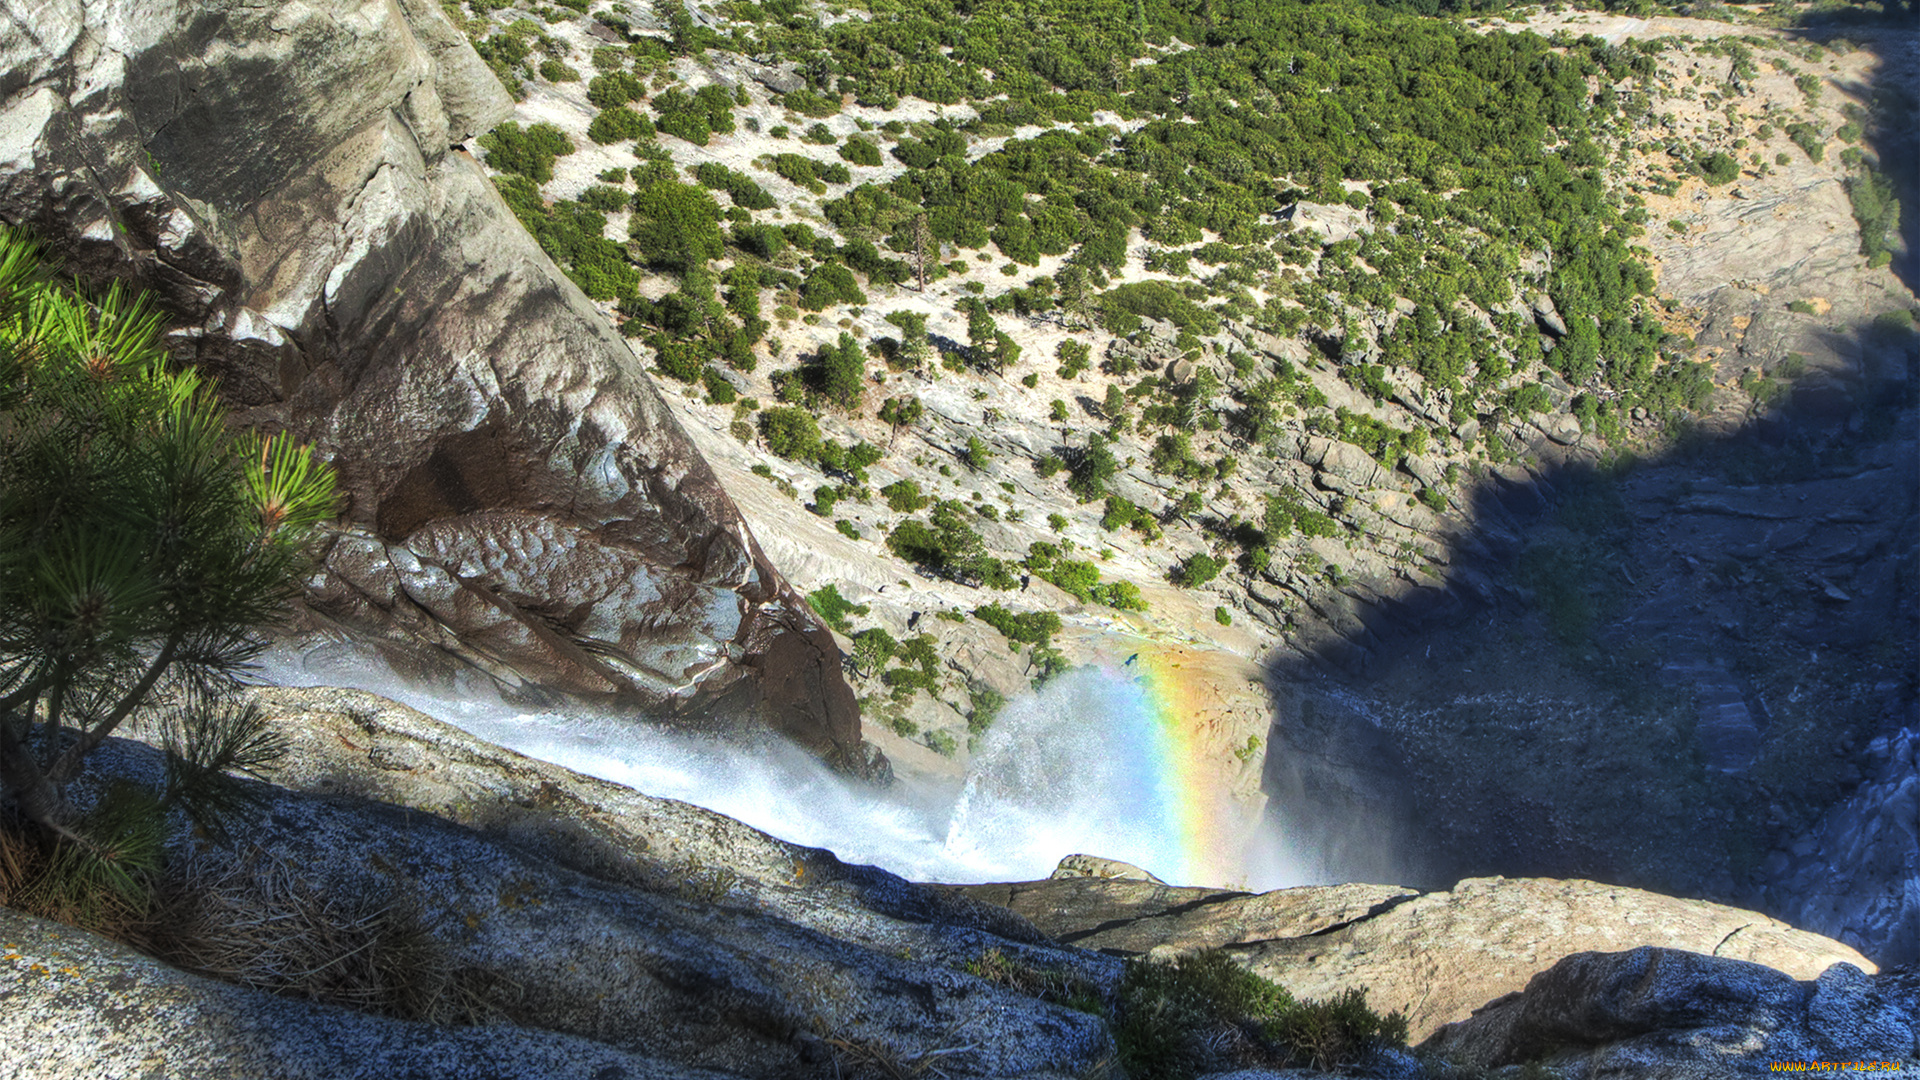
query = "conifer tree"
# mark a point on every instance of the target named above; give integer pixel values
(142, 542)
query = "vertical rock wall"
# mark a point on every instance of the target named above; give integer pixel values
(290, 180)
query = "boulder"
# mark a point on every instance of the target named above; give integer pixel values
(1093, 866)
(519, 503)
(1651, 1011)
(1434, 956)
(1548, 316)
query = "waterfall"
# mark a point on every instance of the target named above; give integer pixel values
(1071, 768)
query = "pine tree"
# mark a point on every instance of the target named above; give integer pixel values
(142, 542)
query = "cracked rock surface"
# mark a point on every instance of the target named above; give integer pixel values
(1434, 956)
(521, 507)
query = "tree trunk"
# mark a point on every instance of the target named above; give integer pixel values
(32, 789)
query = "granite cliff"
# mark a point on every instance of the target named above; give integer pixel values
(522, 508)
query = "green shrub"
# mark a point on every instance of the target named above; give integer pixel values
(618, 124)
(1121, 595)
(790, 433)
(1197, 571)
(1026, 628)
(1719, 168)
(1093, 467)
(946, 545)
(860, 152)
(1286, 511)
(1225, 618)
(833, 608)
(1074, 356)
(740, 187)
(527, 151)
(975, 455)
(903, 496)
(1807, 138)
(1175, 1019)
(900, 412)
(1877, 211)
(676, 225)
(843, 372)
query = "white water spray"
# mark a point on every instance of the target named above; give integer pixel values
(1051, 779)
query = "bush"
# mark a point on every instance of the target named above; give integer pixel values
(142, 543)
(1093, 467)
(1121, 595)
(618, 124)
(1225, 618)
(1175, 1019)
(1719, 168)
(740, 187)
(948, 546)
(790, 433)
(1026, 628)
(1197, 571)
(903, 496)
(1807, 138)
(860, 152)
(976, 455)
(676, 225)
(1287, 511)
(528, 151)
(833, 608)
(903, 411)
(843, 372)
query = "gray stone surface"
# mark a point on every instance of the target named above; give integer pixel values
(80, 1007)
(520, 504)
(1856, 874)
(1434, 956)
(1662, 1012)
(577, 907)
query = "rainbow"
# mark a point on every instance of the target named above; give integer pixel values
(1200, 832)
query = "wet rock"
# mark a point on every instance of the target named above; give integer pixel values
(1093, 866)
(519, 501)
(1854, 874)
(579, 908)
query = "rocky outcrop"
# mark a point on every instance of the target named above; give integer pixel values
(80, 1005)
(1435, 957)
(520, 504)
(660, 937)
(1661, 1012)
(551, 924)
(1856, 874)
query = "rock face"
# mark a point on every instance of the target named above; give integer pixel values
(67, 988)
(612, 928)
(1434, 956)
(1662, 1012)
(1858, 871)
(520, 504)
(576, 928)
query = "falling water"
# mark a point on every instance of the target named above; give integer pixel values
(1062, 771)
